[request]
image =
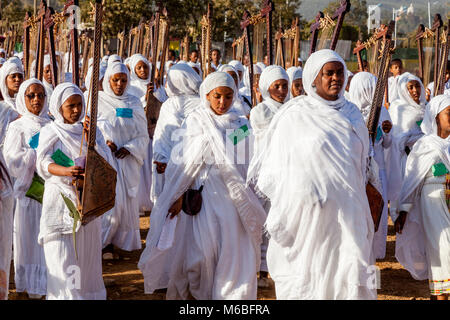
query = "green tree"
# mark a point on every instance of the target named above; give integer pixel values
(357, 18)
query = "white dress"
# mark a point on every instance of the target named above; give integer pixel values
(30, 270)
(68, 278)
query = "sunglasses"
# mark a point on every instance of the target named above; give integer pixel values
(31, 96)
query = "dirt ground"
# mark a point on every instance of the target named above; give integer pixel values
(128, 282)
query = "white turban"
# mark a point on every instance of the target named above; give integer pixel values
(215, 80)
(182, 80)
(237, 65)
(270, 75)
(312, 69)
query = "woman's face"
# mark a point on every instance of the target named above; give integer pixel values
(13, 82)
(48, 74)
(221, 99)
(278, 90)
(72, 108)
(330, 81)
(118, 83)
(35, 98)
(414, 90)
(297, 87)
(443, 123)
(234, 76)
(142, 70)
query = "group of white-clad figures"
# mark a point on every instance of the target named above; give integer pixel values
(294, 206)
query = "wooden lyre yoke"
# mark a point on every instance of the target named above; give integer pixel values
(445, 41)
(379, 34)
(325, 21)
(99, 186)
(292, 34)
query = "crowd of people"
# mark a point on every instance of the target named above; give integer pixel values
(239, 195)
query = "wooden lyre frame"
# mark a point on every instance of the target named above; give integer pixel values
(49, 26)
(185, 45)
(75, 54)
(153, 105)
(205, 55)
(40, 52)
(384, 55)
(236, 45)
(26, 44)
(87, 39)
(443, 61)
(293, 36)
(323, 21)
(99, 186)
(121, 44)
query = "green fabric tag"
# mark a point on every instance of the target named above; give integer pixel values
(239, 134)
(62, 159)
(419, 122)
(439, 169)
(36, 190)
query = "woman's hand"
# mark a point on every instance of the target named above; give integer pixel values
(86, 124)
(160, 167)
(112, 146)
(150, 90)
(122, 153)
(386, 126)
(400, 222)
(176, 207)
(74, 171)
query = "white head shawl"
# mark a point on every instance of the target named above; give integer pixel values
(182, 80)
(114, 58)
(404, 93)
(215, 80)
(270, 75)
(312, 69)
(2, 61)
(229, 67)
(239, 68)
(294, 73)
(21, 105)
(362, 90)
(113, 69)
(101, 75)
(10, 67)
(61, 93)
(261, 65)
(437, 105)
(134, 60)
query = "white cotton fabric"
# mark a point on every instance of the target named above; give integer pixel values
(423, 247)
(240, 105)
(183, 85)
(405, 115)
(197, 68)
(121, 224)
(6, 227)
(294, 73)
(56, 224)
(30, 271)
(138, 86)
(88, 80)
(217, 251)
(361, 91)
(319, 223)
(8, 68)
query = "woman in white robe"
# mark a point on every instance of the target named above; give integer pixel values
(242, 106)
(122, 122)
(182, 87)
(295, 81)
(216, 251)
(313, 170)
(11, 77)
(423, 223)
(361, 91)
(72, 275)
(243, 89)
(407, 115)
(6, 226)
(22, 139)
(138, 88)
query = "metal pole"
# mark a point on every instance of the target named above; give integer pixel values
(429, 15)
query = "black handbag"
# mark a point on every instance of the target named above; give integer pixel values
(192, 201)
